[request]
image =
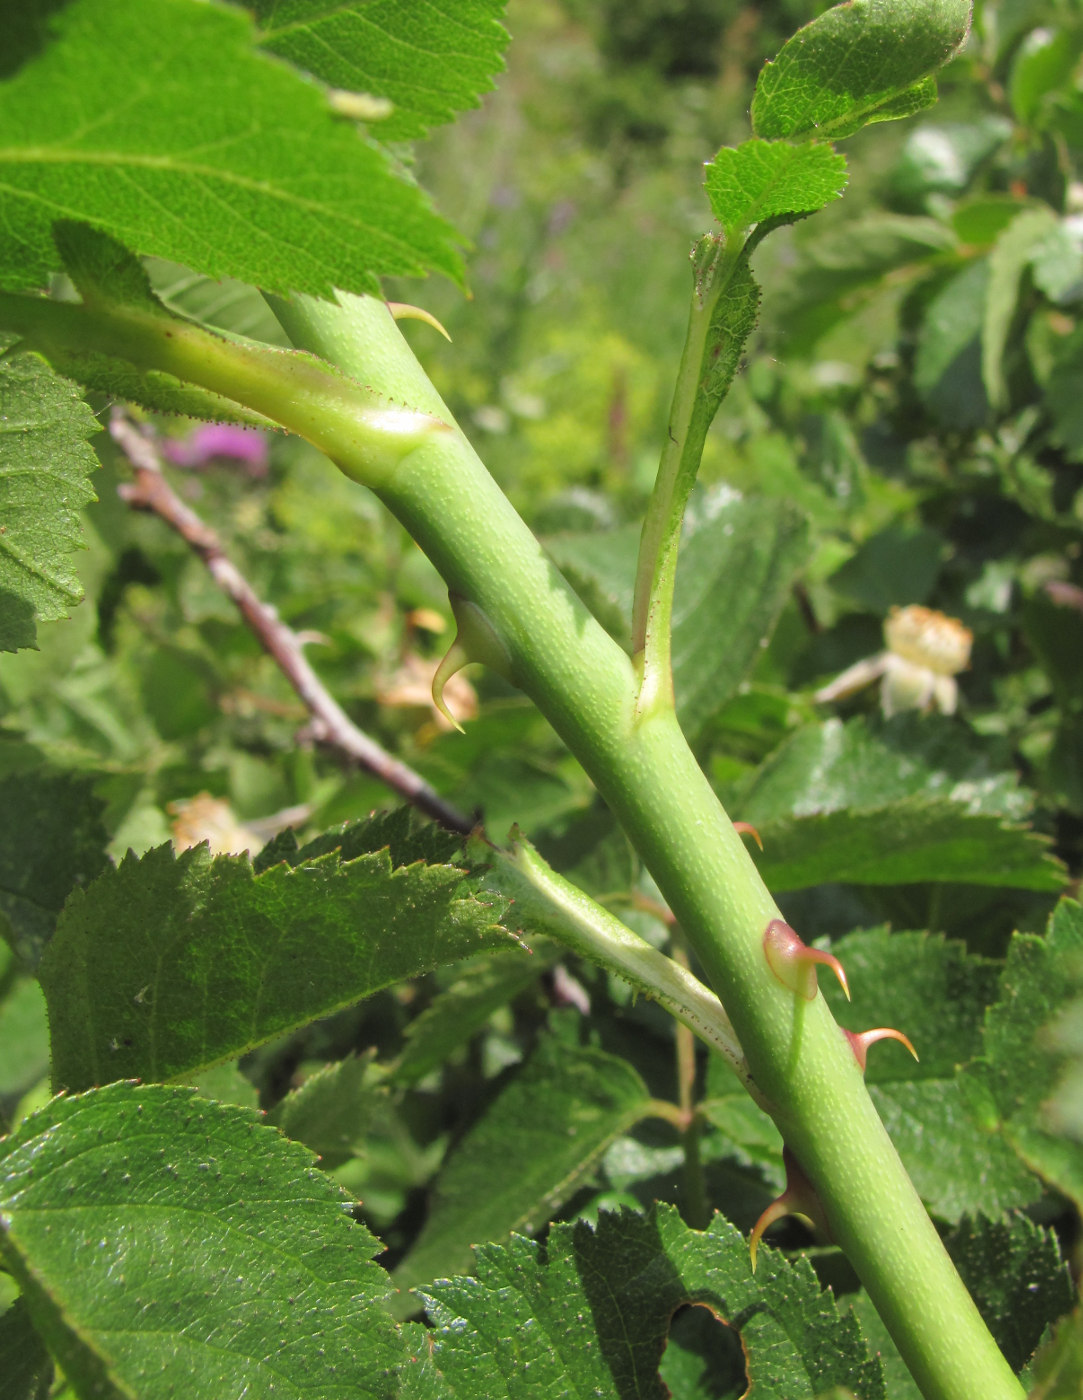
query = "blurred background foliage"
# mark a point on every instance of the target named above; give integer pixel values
(914, 393)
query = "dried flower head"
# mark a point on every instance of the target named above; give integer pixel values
(925, 652)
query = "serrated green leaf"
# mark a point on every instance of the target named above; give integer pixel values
(1018, 1277)
(862, 764)
(545, 1131)
(332, 1109)
(889, 806)
(761, 180)
(171, 1247)
(907, 842)
(45, 463)
(201, 150)
(25, 1367)
(734, 575)
(864, 61)
(461, 1010)
(592, 1315)
(430, 59)
(1057, 1373)
(937, 994)
(1019, 1066)
(169, 964)
(52, 840)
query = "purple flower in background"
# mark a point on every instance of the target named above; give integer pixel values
(246, 446)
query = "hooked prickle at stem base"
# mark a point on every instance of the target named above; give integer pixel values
(799, 1198)
(403, 311)
(751, 830)
(861, 1040)
(475, 640)
(794, 963)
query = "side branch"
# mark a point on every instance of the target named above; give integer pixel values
(330, 724)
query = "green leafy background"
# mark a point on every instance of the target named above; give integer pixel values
(904, 429)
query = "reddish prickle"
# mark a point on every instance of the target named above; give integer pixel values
(861, 1040)
(794, 963)
(799, 1198)
(751, 830)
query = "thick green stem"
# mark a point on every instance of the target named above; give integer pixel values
(587, 687)
(641, 763)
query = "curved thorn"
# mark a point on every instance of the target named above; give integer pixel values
(861, 1040)
(799, 1198)
(794, 963)
(455, 658)
(779, 1207)
(747, 826)
(403, 311)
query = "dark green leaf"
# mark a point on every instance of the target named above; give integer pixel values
(1043, 62)
(52, 841)
(1017, 1276)
(897, 566)
(170, 964)
(902, 803)
(1020, 1066)
(1058, 1368)
(200, 150)
(937, 994)
(909, 841)
(25, 1368)
(537, 1141)
(591, 1315)
(947, 366)
(45, 463)
(431, 59)
(171, 1247)
(864, 61)
(461, 1010)
(1011, 255)
(761, 180)
(734, 575)
(866, 764)
(332, 1110)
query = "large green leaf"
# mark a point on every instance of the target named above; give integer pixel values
(936, 993)
(202, 150)
(169, 964)
(1020, 1065)
(430, 58)
(865, 764)
(1012, 254)
(908, 842)
(947, 365)
(462, 1009)
(734, 575)
(761, 180)
(863, 61)
(171, 1247)
(45, 462)
(591, 1316)
(52, 841)
(538, 1139)
(896, 804)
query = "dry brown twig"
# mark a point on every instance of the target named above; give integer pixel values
(330, 724)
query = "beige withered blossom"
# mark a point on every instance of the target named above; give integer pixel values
(211, 819)
(925, 652)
